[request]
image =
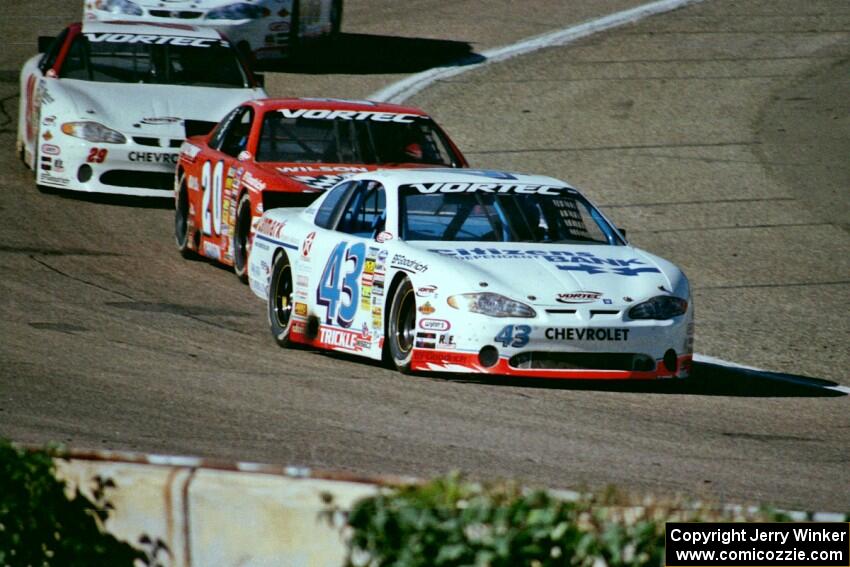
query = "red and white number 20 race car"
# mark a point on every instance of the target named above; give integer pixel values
(286, 152)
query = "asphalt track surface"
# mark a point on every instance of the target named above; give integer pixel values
(717, 134)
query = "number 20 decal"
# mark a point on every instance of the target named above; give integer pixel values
(332, 287)
(513, 335)
(212, 179)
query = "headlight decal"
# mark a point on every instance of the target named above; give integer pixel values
(659, 308)
(93, 132)
(491, 304)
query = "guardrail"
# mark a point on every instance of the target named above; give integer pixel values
(211, 513)
(215, 513)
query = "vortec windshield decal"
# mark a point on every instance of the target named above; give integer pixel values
(152, 39)
(503, 188)
(323, 114)
(569, 261)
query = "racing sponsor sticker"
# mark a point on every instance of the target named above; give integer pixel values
(300, 309)
(344, 338)
(573, 334)
(567, 260)
(159, 120)
(446, 341)
(212, 250)
(153, 157)
(50, 150)
(322, 169)
(328, 114)
(253, 182)
(401, 262)
(150, 39)
(427, 308)
(578, 297)
(190, 150)
(501, 188)
(271, 227)
(307, 244)
(53, 179)
(434, 325)
(426, 291)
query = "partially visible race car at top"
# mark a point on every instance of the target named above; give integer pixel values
(285, 153)
(262, 29)
(105, 107)
(466, 271)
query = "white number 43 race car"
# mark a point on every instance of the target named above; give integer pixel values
(471, 271)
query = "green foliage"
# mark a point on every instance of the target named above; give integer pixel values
(41, 526)
(451, 523)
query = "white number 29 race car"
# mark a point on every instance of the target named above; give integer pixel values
(471, 271)
(106, 107)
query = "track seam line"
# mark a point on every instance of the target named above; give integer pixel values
(402, 90)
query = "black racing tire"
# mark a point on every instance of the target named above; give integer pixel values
(294, 30)
(181, 222)
(336, 19)
(280, 300)
(242, 238)
(401, 326)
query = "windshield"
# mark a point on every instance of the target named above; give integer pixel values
(343, 136)
(498, 212)
(162, 60)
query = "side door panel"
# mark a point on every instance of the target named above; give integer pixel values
(220, 175)
(343, 282)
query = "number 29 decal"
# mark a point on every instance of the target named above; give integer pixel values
(334, 284)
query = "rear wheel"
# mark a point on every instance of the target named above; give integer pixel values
(242, 238)
(280, 300)
(402, 326)
(181, 223)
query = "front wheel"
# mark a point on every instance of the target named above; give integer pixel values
(402, 326)
(242, 238)
(280, 300)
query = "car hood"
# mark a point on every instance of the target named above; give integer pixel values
(555, 274)
(138, 108)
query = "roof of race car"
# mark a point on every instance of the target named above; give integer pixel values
(394, 177)
(146, 28)
(267, 104)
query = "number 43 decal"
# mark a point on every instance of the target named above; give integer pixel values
(332, 287)
(513, 335)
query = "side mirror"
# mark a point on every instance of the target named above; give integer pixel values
(260, 79)
(622, 232)
(44, 43)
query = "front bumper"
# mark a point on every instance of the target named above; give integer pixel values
(564, 347)
(143, 166)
